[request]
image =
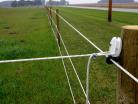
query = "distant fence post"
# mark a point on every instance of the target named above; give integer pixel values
(50, 13)
(127, 88)
(46, 8)
(110, 11)
(58, 26)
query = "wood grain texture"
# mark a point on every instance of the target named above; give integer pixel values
(58, 26)
(50, 13)
(128, 89)
(110, 11)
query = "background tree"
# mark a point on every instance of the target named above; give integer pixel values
(14, 4)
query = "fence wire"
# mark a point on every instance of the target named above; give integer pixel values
(94, 45)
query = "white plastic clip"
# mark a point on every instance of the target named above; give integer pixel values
(115, 47)
(114, 50)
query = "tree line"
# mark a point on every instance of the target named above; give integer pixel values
(21, 3)
(55, 3)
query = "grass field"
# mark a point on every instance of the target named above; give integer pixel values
(25, 33)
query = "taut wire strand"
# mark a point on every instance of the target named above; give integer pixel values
(65, 69)
(71, 61)
(100, 50)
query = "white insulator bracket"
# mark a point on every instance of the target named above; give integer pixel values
(114, 49)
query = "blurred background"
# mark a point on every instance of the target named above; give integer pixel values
(90, 3)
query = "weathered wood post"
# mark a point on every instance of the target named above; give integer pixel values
(48, 11)
(110, 11)
(128, 89)
(50, 14)
(47, 8)
(58, 26)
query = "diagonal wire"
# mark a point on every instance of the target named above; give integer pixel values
(70, 60)
(65, 69)
(78, 31)
(100, 50)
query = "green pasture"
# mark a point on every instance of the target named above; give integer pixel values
(26, 33)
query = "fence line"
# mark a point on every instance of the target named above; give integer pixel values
(100, 50)
(88, 66)
(73, 56)
(65, 69)
(74, 68)
(77, 31)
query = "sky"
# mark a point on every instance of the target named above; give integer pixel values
(80, 1)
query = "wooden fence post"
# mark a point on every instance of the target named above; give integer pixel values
(58, 26)
(47, 9)
(127, 88)
(50, 14)
(110, 11)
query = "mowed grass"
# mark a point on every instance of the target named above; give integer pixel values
(93, 24)
(25, 33)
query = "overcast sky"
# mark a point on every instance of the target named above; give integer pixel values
(80, 1)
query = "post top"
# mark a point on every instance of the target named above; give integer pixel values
(131, 27)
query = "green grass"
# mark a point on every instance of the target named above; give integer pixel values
(25, 33)
(93, 24)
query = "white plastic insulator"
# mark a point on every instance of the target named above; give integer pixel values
(116, 47)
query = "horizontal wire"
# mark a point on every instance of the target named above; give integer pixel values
(44, 58)
(114, 62)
